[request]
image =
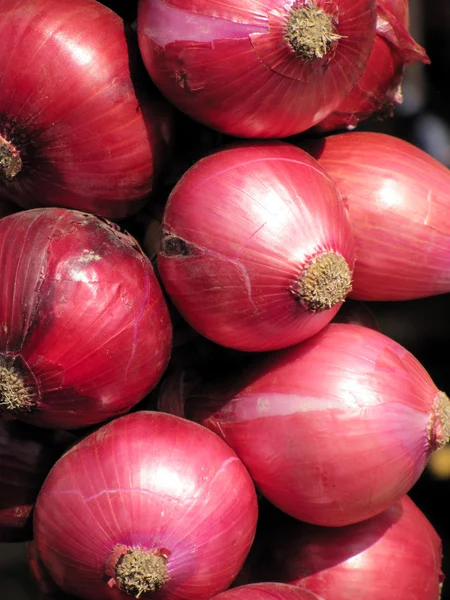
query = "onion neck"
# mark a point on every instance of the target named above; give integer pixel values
(439, 427)
(326, 280)
(137, 571)
(310, 32)
(10, 161)
(17, 397)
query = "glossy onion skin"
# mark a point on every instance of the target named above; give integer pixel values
(252, 216)
(399, 205)
(92, 140)
(154, 481)
(229, 66)
(26, 456)
(396, 554)
(378, 90)
(267, 591)
(81, 308)
(333, 430)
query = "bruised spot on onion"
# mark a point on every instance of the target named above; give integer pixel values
(310, 31)
(172, 245)
(16, 395)
(139, 572)
(10, 161)
(326, 281)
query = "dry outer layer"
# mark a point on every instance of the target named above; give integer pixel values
(139, 572)
(10, 161)
(15, 398)
(325, 282)
(439, 426)
(310, 32)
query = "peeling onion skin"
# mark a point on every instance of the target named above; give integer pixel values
(267, 591)
(83, 321)
(241, 227)
(333, 430)
(378, 91)
(91, 135)
(153, 481)
(398, 198)
(397, 554)
(229, 65)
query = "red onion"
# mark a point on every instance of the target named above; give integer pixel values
(334, 430)
(398, 199)
(257, 249)
(378, 91)
(77, 129)
(396, 554)
(147, 502)
(85, 332)
(26, 456)
(267, 591)
(256, 68)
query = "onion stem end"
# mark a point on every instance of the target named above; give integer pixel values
(439, 428)
(10, 161)
(325, 282)
(15, 397)
(310, 31)
(139, 572)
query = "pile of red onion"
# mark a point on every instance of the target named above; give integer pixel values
(200, 401)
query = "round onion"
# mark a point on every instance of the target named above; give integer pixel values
(257, 249)
(77, 128)
(396, 554)
(378, 91)
(26, 456)
(85, 332)
(334, 430)
(147, 502)
(267, 591)
(256, 68)
(398, 198)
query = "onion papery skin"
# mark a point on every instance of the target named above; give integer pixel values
(26, 456)
(229, 64)
(334, 430)
(82, 317)
(398, 198)
(267, 591)
(152, 481)
(378, 91)
(90, 134)
(241, 226)
(396, 554)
